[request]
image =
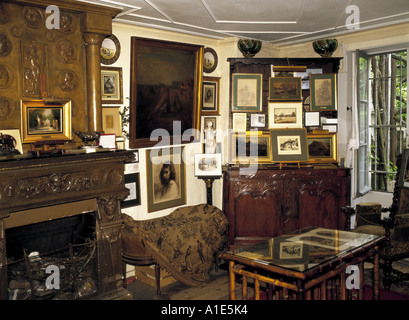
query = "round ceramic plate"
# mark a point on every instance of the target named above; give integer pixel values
(110, 50)
(209, 60)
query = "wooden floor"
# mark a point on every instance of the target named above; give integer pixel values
(218, 287)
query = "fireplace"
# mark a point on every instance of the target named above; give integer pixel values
(53, 208)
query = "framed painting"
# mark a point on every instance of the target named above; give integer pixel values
(110, 49)
(323, 92)
(285, 88)
(208, 164)
(285, 115)
(44, 122)
(289, 145)
(253, 147)
(166, 178)
(322, 148)
(111, 85)
(133, 184)
(403, 179)
(210, 101)
(247, 89)
(166, 92)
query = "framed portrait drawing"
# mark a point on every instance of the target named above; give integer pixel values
(166, 178)
(322, 148)
(210, 101)
(285, 88)
(285, 115)
(250, 147)
(166, 91)
(323, 92)
(111, 85)
(133, 184)
(247, 89)
(44, 122)
(403, 179)
(289, 145)
(208, 164)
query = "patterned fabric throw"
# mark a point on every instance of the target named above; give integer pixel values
(186, 242)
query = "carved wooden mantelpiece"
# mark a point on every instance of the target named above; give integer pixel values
(40, 189)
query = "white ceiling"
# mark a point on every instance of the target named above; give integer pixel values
(275, 21)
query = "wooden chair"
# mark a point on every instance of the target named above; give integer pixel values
(135, 253)
(395, 227)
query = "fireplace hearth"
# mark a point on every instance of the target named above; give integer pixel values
(53, 201)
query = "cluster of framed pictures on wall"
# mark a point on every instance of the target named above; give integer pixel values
(285, 133)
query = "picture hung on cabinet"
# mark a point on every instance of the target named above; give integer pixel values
(289, 145)
(247, 89)
(285, 115)
(250, 147)
(312, 119)
(111, 85)
(285, 88)
(166, 178)
(305, 77)
(323, 90)
(322, 148)
(239, 122)
(45, 122)
(166, 91)
(257, 120)
(208, 165)
(210, 102)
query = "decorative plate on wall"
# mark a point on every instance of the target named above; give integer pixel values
(110, 50)
(209, 60)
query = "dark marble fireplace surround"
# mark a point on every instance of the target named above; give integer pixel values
(35, 190)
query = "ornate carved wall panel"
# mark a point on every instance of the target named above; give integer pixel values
(39, 60)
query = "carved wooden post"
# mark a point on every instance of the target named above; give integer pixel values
(93, 42)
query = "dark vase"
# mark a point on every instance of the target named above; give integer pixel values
(325, 48)
(249, 48)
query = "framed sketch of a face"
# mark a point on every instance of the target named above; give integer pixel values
(165, 176)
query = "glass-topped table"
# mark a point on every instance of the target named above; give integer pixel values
(306, 262)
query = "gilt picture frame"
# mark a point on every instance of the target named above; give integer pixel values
(250, 147)
(166, 90)
(322, 148)
(42, 121)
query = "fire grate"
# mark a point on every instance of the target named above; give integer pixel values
(64, 274)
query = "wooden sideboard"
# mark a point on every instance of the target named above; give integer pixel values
(272, 202)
